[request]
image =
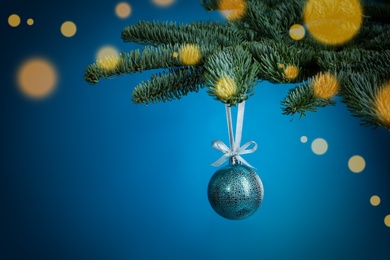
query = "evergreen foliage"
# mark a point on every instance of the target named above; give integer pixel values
(230, 58)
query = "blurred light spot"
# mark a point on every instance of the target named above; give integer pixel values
(37, 78)
(107, 51)
(175, 54)
(319, 146)
(14, 20)
(232, 9)
(123, 10)
(297, 32)
(68, 29)
(375, 200)
(163, 2)
(356, 164)
(303, 139)
(387, 220)
(30, 21)
(333, 22)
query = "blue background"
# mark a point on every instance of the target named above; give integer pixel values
(87, 174)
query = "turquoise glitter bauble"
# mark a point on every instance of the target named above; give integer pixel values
(235, 191)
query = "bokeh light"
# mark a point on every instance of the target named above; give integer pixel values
(123, 10)
(319, 146)
(297, 32)
(14, 20)
(30, 21)
(107, 51)
(163, 2)
(387, 220)
(37, 78)
(304, 139)
(333, 22)
(68, 29)
(232, 10)
(375, 200)
(356, 164)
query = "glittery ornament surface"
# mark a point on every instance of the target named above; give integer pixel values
(235, 191)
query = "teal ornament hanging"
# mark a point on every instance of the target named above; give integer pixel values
(235, 191)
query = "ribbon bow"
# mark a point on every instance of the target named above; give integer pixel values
(235, 150)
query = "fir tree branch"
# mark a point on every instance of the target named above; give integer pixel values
(231, 75)
(359, 94)
(137, 61)
(204, 33)
(230, 57)
(375, 12)
(301, 100)
(357, 60)
(169, 86)
(259, 21)
(274, 57)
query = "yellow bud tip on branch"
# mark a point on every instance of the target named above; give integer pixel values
(325, 85)
(291, 71)
(108, 63)
(225, 88)
(382, 105)
(190, 55)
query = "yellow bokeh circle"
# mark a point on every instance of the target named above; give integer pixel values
(333, 22)
(68, 29)
(356, 164)
(304, 139)
(37, 78)
(387, 220)
(375, 200)
(297, 32)
(30, 21)
(14, 20)
(232, 9)
(163, 2)
(123, 10)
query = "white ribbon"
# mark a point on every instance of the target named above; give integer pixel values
(235, 150)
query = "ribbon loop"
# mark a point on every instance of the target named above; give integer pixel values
(235, 150)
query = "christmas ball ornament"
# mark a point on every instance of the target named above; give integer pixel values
(235, 191)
